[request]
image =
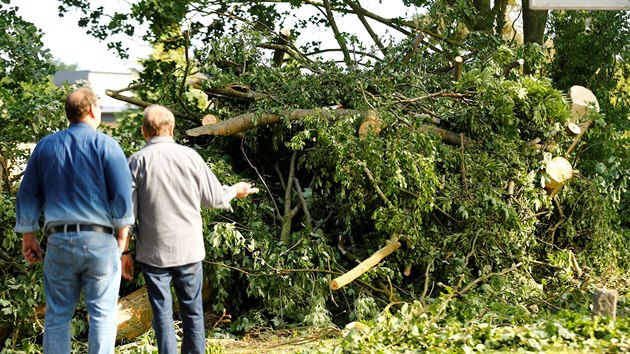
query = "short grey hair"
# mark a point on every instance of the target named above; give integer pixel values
(157, 120)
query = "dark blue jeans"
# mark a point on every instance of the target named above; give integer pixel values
(187, 281)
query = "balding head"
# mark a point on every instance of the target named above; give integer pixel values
(158, 121)
(79, 104)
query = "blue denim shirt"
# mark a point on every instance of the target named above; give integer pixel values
(77, 175)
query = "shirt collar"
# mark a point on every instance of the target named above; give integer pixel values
(161, 139)
(82, 125)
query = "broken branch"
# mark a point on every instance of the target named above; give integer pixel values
(390, 246)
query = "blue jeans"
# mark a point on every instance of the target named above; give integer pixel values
(187, 281)
(75, 261)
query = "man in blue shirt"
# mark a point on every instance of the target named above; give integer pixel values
(79, 179)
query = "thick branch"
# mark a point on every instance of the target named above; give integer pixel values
(516, 63)
(140, 103)
(359, 12)
(447, 136)
(283, 40)
(289, 213)
(436, 94)
(182, 86)
(288, 50)
(338, 36)
(414, 47)
(390, 246)
(353, 51)
(248, 121)
(236, 91)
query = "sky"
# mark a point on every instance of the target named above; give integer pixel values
(70, 43)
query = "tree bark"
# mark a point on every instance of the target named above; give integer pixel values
(534, 22)
(484, 20)
(134, 314)
(248, 121)
(447, 136)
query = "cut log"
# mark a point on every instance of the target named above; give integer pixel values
(583, 103)
(283, 39)
(209, 119)
(390, 246)
(414, 47)
(134, 314)
(459, 68)
(196, 80)
(605, 303)
(534, 144)
(369, 123)
(515, 64)
(407, 270)
(557, 171)
(573, 129)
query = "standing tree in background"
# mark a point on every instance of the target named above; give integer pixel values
(30, 108)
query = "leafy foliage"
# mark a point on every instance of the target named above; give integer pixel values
(487, 256)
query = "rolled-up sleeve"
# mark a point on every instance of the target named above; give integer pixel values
(118, 179)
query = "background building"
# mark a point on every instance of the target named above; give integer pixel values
(100, 81)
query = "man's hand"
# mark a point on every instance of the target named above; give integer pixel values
(31, 250)
(243, 189)
(127, 266)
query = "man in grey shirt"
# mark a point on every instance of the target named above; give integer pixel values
(170, 184)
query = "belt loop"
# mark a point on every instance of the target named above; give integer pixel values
(78, 228)
(65, 228)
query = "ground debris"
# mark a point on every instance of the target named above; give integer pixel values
(262, 341)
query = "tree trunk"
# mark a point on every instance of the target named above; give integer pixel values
(484, 20)
(534, 22)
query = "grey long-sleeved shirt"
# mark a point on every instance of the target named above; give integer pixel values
(170, 184)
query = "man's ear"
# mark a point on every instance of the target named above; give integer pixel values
(92, 114)
(144, 133)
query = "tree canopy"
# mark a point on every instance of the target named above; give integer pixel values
(431, 130)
